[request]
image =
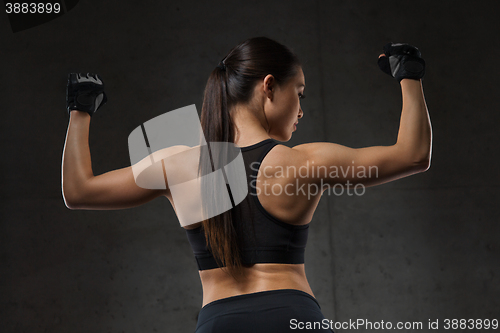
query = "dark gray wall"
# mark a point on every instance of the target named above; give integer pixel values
(424, 247)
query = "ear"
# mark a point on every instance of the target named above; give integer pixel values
(269, 86)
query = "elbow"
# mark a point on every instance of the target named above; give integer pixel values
(425, 160)
(74, 194)
(422, 164)
(70, 203)
(71, 200)
(419, 160)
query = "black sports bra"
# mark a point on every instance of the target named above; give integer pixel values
(262, 238)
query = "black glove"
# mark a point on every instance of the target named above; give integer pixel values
(85, 93)
(402, 61)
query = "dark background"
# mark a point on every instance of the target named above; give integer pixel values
(420, 248)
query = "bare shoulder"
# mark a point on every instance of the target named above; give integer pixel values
(306, 154)
(282, 155)
(167, 167)
(171, 151)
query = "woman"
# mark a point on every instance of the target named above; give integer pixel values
(251, 258)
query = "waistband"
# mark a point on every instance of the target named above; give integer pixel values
(258, 296)
(262, 303)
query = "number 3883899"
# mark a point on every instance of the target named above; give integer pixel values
(32, 8)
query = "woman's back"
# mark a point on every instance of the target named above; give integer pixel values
(272, 248)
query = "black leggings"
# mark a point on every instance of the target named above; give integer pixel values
(275, 311)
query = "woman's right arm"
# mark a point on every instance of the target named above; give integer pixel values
(116, 189)
(378, 164)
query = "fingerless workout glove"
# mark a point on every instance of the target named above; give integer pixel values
(85, 93)
(402, 61)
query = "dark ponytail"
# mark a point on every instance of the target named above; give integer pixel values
(232, 82)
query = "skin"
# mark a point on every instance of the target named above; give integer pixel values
(273, 112)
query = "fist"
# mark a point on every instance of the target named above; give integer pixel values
(85, 93)
(402, 61)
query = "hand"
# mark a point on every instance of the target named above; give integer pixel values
(85, 93)
(402, 61)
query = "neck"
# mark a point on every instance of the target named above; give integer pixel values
(251, 125)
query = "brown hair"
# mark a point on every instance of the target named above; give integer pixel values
(245, 65)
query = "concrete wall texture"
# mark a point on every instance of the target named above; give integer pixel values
(418, 249)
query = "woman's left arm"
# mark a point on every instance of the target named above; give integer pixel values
(116, 189)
